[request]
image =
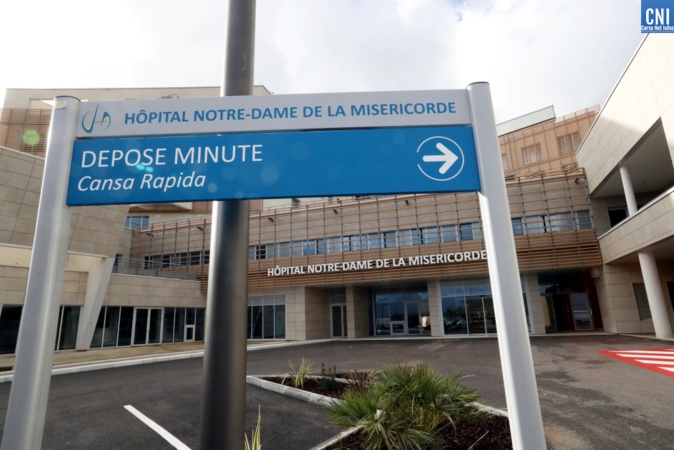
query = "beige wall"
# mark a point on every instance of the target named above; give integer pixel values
(644, 94)
(616, 297)
(357, 317)
(133, 290)
(93, 229)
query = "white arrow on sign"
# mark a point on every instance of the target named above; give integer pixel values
(447, 157)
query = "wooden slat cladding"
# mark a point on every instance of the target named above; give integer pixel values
(551, 212)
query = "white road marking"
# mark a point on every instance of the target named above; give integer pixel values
(161, 431)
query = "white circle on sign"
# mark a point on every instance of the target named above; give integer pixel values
(441, 158)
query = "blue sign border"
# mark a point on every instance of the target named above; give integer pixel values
(378, 161)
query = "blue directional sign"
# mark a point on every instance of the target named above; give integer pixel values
(273, 165)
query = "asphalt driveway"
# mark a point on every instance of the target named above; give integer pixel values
(588, 400)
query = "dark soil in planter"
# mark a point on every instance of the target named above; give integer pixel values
(492, 433)
(323, 386)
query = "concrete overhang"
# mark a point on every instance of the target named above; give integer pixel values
(20, 255)
(649, 230)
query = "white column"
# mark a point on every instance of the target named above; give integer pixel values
(656, 299)
(649, 269)
(629, 191)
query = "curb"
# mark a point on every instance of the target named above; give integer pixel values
(87, 367)
(138, 360)
(299, 394)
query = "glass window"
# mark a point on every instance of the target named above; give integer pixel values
(111, 326)
(466, 230)
(454, 315)
(531, 154)
(268, 321)
(643, 308)
(190, 316)
(373, 241)
(518, 229)
(359, 242)
(583, 219)
(125, 323)
(296, 248)
(169, 323)
(261, 251)
(562, 222)
(321, 247)
(390, 239)
(200, 326)
(68, 327)
(534, 224)
(137, 221)
(279, 321)
(431, 235)
(10, 316)
(309, 247)
(405, 237)
(448, 233)
(334, 245)
(179, 328)
(569, 143)
(284, 249)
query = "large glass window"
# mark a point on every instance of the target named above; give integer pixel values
(125, 326)
(137, 221)
(111, 326)
(266, 317)
(448, 233)
(69, 317)
(10, 316)
(400, 312)
(468, 307)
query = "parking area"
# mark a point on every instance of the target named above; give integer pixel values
(589, 399)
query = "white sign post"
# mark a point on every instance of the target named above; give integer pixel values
(27, 405)
(519, 378)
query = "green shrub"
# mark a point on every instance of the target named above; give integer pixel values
(298, 376)
(327, 381)
(255, 442)
(405, 407)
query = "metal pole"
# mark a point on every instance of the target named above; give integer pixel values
(223, 403)
(24, 424)
(524, 410)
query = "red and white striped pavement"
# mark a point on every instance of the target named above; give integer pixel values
(660, 360)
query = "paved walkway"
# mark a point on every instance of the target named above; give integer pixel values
(69, 361)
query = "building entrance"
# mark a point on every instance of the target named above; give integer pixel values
(569, 312)
(401, 313)
(570, 301)
(338, 320)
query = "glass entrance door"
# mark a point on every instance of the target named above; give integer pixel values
(398, 321)
(147, 326)
(413, 319)
(582, 314)
(475, 311)
(338, 320)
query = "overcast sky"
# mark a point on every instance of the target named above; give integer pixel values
(534, 53)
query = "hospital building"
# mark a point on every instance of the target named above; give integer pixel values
(591, 196)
